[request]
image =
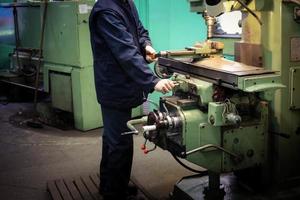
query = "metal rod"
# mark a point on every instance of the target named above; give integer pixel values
(40, 53)
(211, 146)
(131, 123)
(17, 35)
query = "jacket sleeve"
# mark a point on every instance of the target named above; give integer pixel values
(144, 36)
(121, 44)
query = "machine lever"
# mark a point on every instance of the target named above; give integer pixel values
(131, 127)
(130, 133)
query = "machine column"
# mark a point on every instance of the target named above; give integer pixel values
(214, 191)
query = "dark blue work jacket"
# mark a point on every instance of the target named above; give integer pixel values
(122, 75)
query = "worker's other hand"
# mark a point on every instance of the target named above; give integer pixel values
(164, 86)
(150, 54)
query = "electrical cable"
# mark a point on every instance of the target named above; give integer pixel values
(204, 173)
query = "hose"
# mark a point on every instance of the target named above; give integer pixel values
(203, 173)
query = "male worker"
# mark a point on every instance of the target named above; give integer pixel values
(121, 48)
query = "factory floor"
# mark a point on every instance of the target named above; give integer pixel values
(30, 157)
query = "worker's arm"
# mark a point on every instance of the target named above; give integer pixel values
(122, 46)
(144, 39)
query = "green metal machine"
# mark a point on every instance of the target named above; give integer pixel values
(227, 116)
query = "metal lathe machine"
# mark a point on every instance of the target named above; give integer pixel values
(229, 116)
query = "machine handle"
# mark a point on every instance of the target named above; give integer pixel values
(131, 125)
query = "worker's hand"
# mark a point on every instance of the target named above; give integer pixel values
(150, 54)
(164, 86)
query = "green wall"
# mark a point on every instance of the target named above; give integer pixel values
(171, 25)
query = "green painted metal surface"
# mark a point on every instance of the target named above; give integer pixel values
(277, 36)
(200, 88)
(198, 133)
(29, 20)
(67, 34)
(277, 30)
(215, 114)
(87, 113)
(48, 67)
(61, 97)
(260, 83)
(246, 140)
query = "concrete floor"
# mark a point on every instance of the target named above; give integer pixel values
(31, 157)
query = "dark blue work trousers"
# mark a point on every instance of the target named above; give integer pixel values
(117, 153)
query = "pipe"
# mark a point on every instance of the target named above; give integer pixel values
(37, 78)
(17, 35)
